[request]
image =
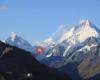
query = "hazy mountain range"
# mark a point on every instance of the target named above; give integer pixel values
(75, 51)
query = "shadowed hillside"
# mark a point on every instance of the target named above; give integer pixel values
(17, 64)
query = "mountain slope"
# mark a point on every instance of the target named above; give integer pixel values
(17, 64)
(82, 63)
(75, 36)
(80, 54)
(19, 42)
(90, 65)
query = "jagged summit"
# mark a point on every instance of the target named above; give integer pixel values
(81, 32)
(85, 22)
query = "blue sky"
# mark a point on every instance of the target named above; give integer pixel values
(38, 19)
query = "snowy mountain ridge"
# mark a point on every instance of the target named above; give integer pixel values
(70, 38)
(19, 42)
(75, 37)
(80, 33)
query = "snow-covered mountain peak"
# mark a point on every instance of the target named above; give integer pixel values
(49, 40)
(13, 36)
(80, 33)
(86, 30)
(85, 22)
(19, 42)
